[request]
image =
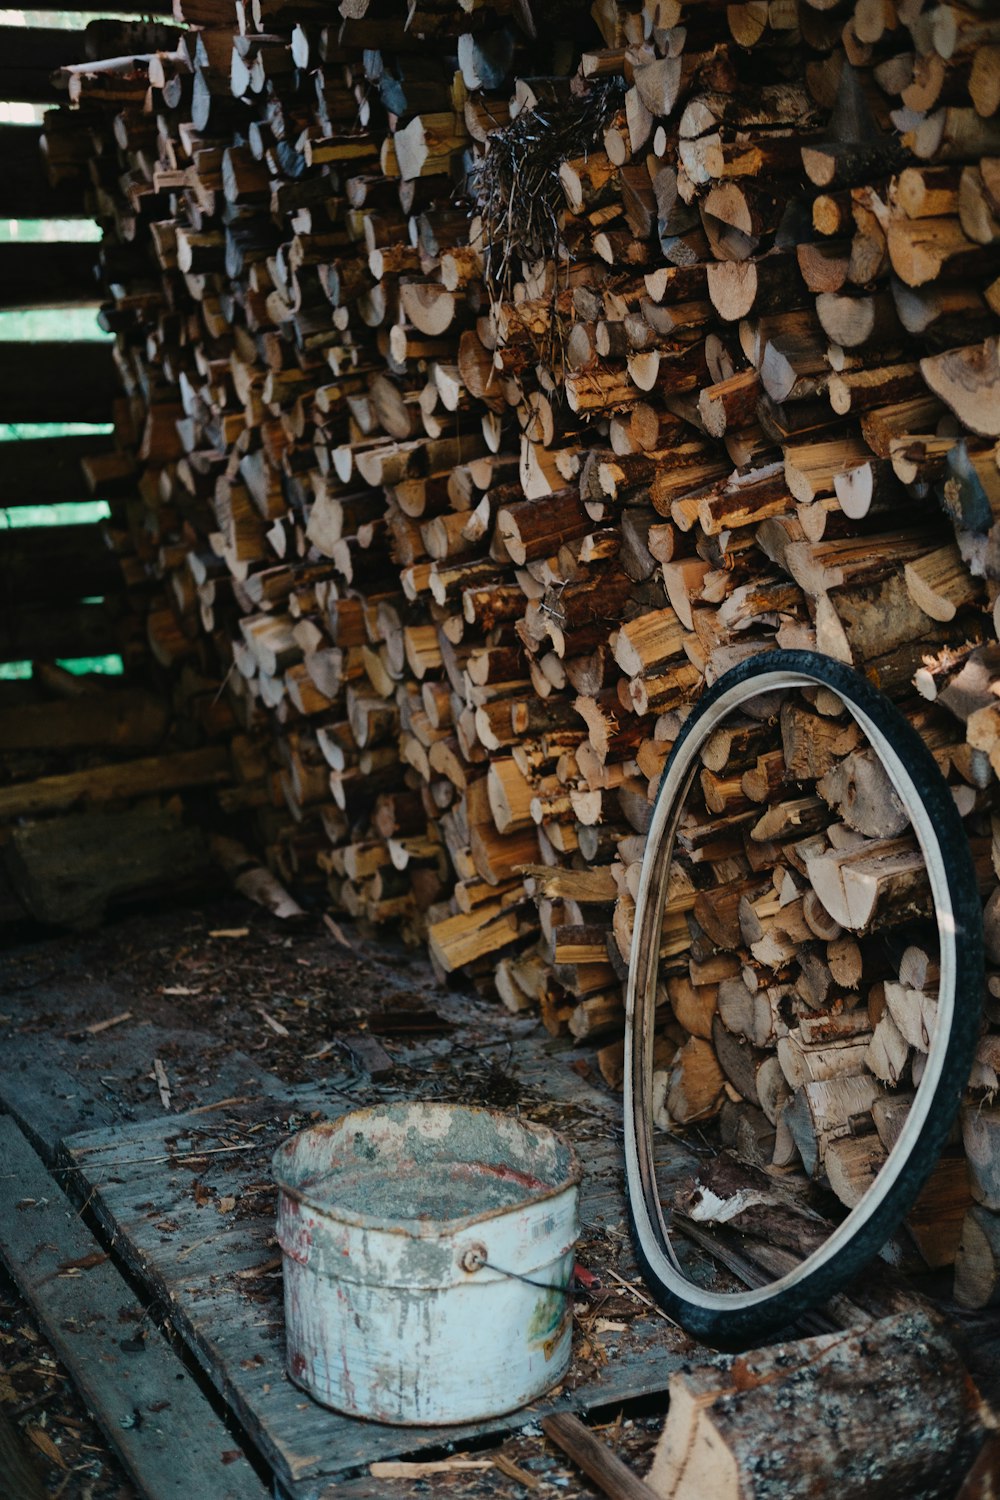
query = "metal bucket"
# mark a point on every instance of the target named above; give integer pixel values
(428, 1249)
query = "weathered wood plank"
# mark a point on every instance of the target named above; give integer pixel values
(169, 1439)
(28, 57)
(56, 1085)
(56, 382)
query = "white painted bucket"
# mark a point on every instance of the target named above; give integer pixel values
(428, 1251)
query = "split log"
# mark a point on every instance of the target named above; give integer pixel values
(977, 1262)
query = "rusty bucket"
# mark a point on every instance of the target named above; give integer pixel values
(428, 1253)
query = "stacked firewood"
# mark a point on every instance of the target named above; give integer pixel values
(482, 417)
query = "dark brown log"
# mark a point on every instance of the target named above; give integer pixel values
(68, 870)
(109, 720)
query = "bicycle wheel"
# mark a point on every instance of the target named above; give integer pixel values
(735, 1320)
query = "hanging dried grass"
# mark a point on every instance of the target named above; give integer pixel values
(517, 187)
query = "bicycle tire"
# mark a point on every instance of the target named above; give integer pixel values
(738, 1319)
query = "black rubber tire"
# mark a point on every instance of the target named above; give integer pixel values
(737, 1320)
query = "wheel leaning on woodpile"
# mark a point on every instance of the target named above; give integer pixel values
(738, 1319)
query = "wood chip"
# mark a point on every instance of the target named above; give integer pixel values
(403, 1469)
(250, 1273)
(83, 1263)
(275, 1026)
(45, 1445)
(230, 932)
(337, 932)
(207, 1109)
(512, 1470)
(97, 1026)
(162, 1082)
(640, 1296)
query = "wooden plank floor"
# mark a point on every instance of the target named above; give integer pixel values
(160, 1179)
(65, 1074)
(159, 1187)
(172, 1444)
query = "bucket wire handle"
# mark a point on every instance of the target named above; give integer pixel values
(575, 1287)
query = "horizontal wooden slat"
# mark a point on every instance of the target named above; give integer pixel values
(117, 719)
(47, 274)
(43, 632)
(56, 382)
(28, 56)
(24, 191)
(57, 563)
(172, 771)
(46, 471)
(106, 8)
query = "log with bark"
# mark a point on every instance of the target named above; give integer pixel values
(726, 1431)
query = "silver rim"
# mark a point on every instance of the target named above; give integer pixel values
(650, 1226)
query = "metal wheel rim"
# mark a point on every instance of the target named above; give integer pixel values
(648, 1218)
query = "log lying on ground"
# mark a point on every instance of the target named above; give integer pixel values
(67, 871)
(885, 1409)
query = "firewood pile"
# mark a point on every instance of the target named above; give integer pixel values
(481, 417)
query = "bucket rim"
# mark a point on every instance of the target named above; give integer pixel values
(416, 1228)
